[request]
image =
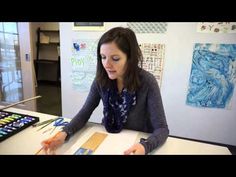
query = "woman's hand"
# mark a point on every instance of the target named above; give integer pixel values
(136, 149)
(50, 145)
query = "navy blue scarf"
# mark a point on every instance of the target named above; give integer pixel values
(116, 108)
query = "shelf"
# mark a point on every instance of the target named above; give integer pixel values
(49, 31)
(46, 61)
(50, 43)
(57, 83)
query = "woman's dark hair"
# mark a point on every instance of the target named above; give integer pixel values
(126, 41)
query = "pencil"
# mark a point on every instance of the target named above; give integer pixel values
(39, 151)
(47, 142)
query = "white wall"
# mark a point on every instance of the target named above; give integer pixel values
(214, 125)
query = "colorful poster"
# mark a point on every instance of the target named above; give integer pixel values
(216, 27)
(213, 75)
(147, 27)
(83, 63)
(153, 59)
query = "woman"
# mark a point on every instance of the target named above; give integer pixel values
(130, 95)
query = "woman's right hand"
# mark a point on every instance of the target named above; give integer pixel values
(50, 145)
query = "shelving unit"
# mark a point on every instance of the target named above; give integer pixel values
(48, 55)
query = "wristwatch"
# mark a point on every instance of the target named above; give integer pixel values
(144, 142)
(68, 134)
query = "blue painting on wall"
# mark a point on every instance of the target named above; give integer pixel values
(213, 75)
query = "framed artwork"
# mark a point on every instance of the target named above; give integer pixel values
(213, 75)
(216, 27)
(88, 26)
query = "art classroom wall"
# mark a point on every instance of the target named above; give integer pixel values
(207, 124)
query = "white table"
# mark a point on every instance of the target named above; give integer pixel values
(28, 141)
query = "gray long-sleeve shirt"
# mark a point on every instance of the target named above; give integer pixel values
(147, 115)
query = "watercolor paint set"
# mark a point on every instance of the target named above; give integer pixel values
(12, 123)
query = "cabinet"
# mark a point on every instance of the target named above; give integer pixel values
(47, 62)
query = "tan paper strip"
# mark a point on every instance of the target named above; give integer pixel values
(94, 141)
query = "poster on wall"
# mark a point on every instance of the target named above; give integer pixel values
(153, 59)
(147, 27)
(83, 63)
(88, 26)
(216, 27)
(213, 76)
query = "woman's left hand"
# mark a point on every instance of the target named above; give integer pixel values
(136, 149)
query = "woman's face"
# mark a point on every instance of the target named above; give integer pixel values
(113, 60)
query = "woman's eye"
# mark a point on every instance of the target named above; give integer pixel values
(116, 58)
(103, 57)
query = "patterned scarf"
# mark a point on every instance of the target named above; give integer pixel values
(116, 108)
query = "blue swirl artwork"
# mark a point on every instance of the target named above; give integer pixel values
(213, 75)
(76, 46)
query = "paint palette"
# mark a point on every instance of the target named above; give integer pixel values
(12, 123)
